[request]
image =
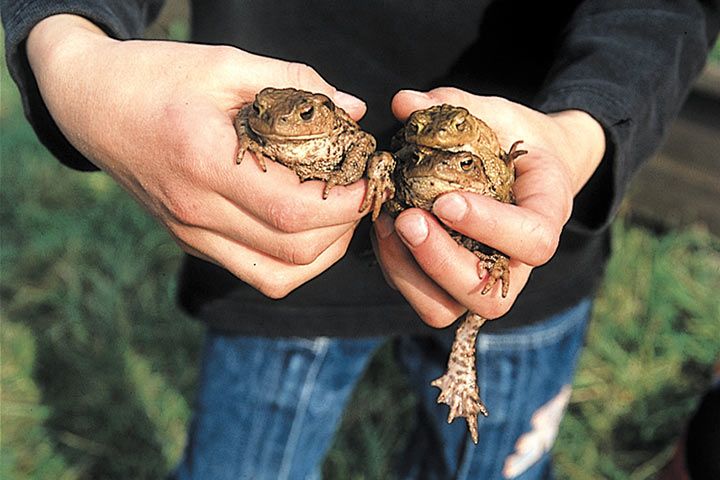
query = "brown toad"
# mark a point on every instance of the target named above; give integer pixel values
(307, 133)
(455, 129)
(431, 160)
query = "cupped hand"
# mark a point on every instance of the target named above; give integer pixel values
(440, 278)
(158, 117)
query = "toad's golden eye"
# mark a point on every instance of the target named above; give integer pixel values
(307, 113)
(466, 164)
(460, 124)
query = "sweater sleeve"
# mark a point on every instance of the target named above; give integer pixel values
(629, 64)
(122, 19)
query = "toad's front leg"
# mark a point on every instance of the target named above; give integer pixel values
(458, 386)
(353, 164)
(379, 176)
(246, 143)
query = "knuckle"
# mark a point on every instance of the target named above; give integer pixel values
(275, 286)
(303, 254)
(542, 241)
(181, 210)
(437, 264)
(494, 310)
(180, 239)
(301, 74)
(438, 319)
(286, 215)
(448, 94)
(226, 58)
(546, 244)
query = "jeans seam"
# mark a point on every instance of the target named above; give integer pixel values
(321, 346)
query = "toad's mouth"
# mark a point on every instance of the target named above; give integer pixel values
(433, 182)
(281, 137)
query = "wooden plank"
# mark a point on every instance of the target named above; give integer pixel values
(681, 185)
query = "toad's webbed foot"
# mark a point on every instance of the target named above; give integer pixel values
(458, 386)
(509, 157)
(497, 266)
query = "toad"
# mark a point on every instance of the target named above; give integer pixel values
(307, 133)
(435, 155)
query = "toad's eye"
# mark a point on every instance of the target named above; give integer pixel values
(307, 113)
(460, 125)
(466, 164)
(256, 108)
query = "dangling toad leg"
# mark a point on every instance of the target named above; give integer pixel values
(458, 387)
(497, 266)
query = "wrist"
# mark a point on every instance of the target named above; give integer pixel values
(54, 38)
(585, 140)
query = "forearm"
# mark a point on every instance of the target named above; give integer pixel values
(630, 66)
(119, 19)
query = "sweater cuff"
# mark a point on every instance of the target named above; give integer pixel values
(121, 20)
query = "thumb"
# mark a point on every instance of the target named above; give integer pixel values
(406, 102)
(257, 72)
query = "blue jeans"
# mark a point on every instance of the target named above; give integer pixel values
(269, 408)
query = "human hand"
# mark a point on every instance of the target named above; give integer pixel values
(158, 117)
(440, 278)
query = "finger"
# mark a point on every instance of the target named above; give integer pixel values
(500, 114)
(256, 72)
(406, 102)
(277, 198)
(434, 306)
(232, 221)
(273, 278)
(529, 231)
(454, 268)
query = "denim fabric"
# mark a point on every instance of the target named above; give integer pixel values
(524, 376)
(269, 408)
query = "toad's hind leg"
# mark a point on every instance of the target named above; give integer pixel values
(458, 387)
(498, 268)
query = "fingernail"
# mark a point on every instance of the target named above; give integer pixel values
(384, 226)
(346, 100)
(413, 229)
(451, 207)
(415, 93)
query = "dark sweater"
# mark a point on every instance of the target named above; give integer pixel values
(628, 63)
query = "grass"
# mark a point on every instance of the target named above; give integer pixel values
(98, 364)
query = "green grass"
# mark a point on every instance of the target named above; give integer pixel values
(98, 364)
(714, 56)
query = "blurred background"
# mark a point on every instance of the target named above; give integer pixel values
(98, 364)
